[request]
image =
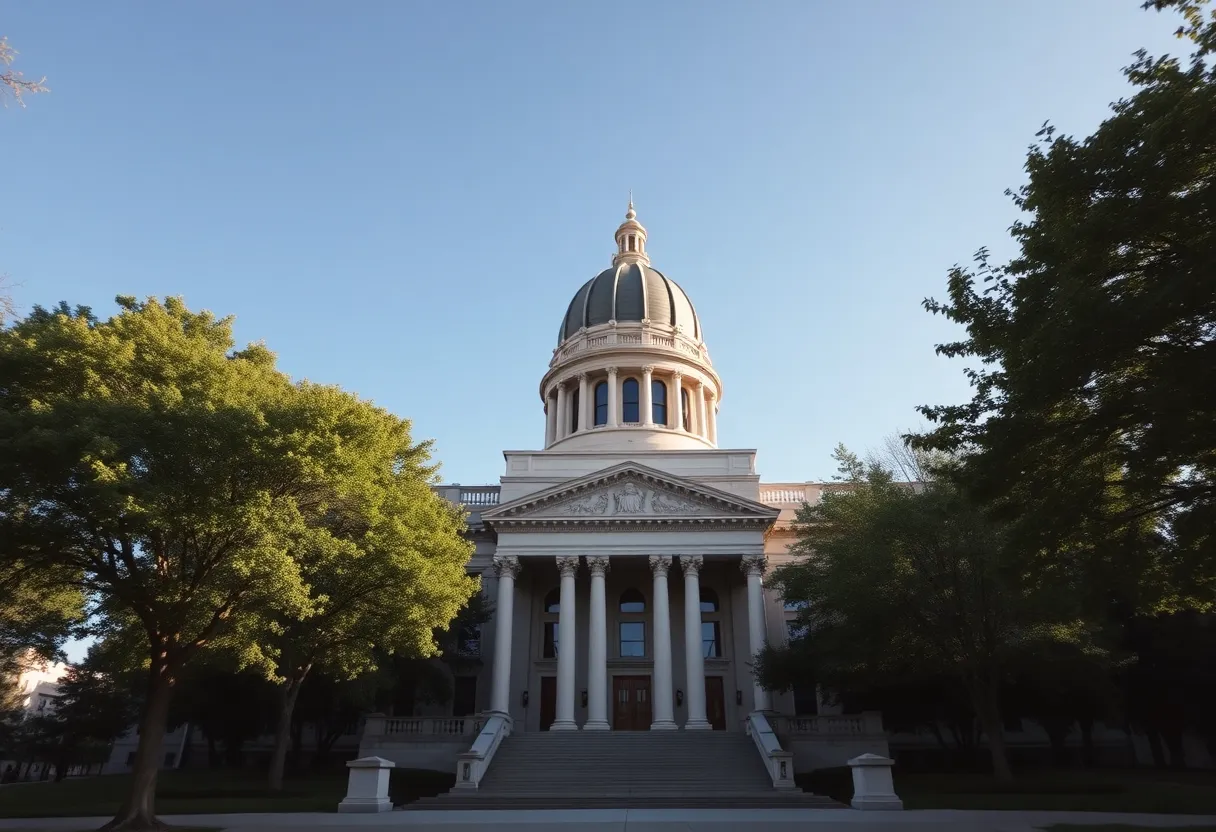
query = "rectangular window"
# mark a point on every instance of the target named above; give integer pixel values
(550, 649)
(711, 640)
(464, 696)
(794, 629)
(633, 639)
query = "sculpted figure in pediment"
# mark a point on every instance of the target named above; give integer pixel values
(662, 503)
(629, 499)
(593, 504)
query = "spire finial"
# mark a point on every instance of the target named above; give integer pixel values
(630, 214)
(630, 238)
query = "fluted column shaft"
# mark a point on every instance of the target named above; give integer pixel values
(712, 407)
(694, 660)
(664, 688)
(582, 422)
(566, 649)
(753, 567)
(614, 398)
(597, 650)
(675, 404)
(646, 397)
(507, 569)
(702, 419)
(562, 419)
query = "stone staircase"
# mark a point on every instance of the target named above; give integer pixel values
(625, 769)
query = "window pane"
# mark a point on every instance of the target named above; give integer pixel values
(795, 606)
(658, 402)
(633, 638)
(711, 647)
(601, 403)
(574, 411)
(550, 651)
(795, 630)
(632, 600)
(629, 401)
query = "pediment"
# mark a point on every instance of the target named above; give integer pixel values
(631, 495)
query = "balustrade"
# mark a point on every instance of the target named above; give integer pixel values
(431, 726)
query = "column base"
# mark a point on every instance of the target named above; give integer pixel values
(597, 725)
(698, 725)
(664, 725)
(564, 725)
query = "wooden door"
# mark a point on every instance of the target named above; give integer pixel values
(548, 701)
(631, 703)
(715, 703)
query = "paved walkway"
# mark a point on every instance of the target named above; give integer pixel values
(648, 820)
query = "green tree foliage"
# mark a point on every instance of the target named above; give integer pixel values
(227, 707)
(912, 585)
(95, 707)
(1093, 351)
(192, 491)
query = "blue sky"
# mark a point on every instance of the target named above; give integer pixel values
(401, 197)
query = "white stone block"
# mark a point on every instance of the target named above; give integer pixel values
(367, 788)
(873, 787)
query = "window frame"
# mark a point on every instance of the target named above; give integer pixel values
(601, 407)
(658, 401)
(621, 641)
(635, 403)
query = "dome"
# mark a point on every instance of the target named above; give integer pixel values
(630, 291)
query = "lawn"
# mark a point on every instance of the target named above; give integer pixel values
(1126, 790)
(206, 791)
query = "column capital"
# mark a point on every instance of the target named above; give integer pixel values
(754, 565)
(598, 566)
(567, 566)
(676, 376)
(691, 564)
(659, 564)
(612, 371)
(507, 565)
(700, 386)
(648, 368)
(582, 377)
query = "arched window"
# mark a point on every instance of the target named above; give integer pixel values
(574, 422)
(629, 401)
(601, 403)
(658, 402)
(633, 600)
(709, 600)
(551, 609)
(684, 404)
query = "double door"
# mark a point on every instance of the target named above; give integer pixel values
(632, 708)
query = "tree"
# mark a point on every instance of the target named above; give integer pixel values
(187, 487)
(391, 573)
(227, 706)
(95, 708)
(1093, 425)
(13, 84)
(911, 584)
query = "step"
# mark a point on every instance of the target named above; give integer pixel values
(722, 800)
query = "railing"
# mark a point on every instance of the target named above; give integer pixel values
(868, 723)
(406, 728)
(780, 763)
(623, 337)
(484, 496)
(783, 495)
(471, 766)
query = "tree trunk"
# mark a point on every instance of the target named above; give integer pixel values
(988, 712)
(282, 735)
(138, 812)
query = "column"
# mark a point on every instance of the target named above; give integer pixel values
(550, 419)
(702, 420)
(597, 650)
(566, 649)
(584, 407)
(675, 402)
(645, 397)
(562, 418)
(507, 569)
(753, 567)
(664, 693)
(614, 399)
(712, 407)
(694, 662)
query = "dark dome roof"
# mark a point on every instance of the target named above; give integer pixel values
(629, 292)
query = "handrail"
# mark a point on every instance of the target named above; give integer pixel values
(780, 763)
(472, 765)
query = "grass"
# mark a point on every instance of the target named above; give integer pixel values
(1127, 790)
(206, 791)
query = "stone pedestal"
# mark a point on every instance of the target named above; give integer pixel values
(873, 787)
(367, 789)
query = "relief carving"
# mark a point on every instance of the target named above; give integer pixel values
(662, 503)
(629, 500)
(593, 504)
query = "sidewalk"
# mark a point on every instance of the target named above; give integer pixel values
(646, 820)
